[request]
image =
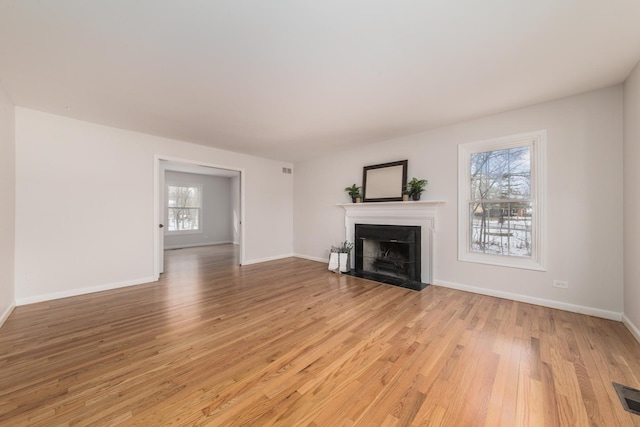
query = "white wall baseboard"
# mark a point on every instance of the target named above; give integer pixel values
(82, 291)
(635, 331)
(271, 258)
(611, 315)
(195, 245)
(312, 258)
(7, 313)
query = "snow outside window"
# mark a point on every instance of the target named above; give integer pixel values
(184, 205)
(501, 201)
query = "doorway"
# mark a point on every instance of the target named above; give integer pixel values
(200, 172)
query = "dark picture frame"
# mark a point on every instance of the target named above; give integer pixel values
(384, 182)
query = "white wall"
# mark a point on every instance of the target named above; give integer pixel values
(106, 174)
(584, 200)
(216, 211)
(7, 213)
(632, 202)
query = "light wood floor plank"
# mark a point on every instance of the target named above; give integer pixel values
(289, 343)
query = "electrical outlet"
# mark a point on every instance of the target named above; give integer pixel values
(560, 284)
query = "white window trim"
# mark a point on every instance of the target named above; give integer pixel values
(537, 141)
(166, 208)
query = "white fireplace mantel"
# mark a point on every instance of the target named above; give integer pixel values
(421, 213)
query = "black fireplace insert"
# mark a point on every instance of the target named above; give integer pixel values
(389, 254)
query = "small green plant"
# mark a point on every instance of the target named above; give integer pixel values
(343, 248)
(415, 187)
(354, 192)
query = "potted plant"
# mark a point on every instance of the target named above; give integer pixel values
(415, 187)
(354, 192)
(339, 258)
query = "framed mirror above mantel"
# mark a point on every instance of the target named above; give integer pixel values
(384, 182)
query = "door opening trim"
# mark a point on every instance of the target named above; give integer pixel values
(158, 210)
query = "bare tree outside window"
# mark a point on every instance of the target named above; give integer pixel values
(183, 205)
(500, 206)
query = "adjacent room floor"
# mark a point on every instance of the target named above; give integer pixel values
(289, 343)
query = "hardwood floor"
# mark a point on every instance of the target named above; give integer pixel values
(289, 343)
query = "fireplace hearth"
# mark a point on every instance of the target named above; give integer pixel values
(389, 254)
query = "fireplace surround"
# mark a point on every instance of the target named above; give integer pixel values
(422, 214)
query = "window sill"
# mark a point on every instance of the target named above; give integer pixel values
(502, 261)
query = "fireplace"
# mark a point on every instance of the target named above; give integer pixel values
(389, 254)
(421, 214)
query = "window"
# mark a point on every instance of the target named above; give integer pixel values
(501, 201)
(184, 208)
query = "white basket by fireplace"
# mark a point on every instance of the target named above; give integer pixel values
(339, 262)
(340, 257)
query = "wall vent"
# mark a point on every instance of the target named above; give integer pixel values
(286, 170)
(629, 397)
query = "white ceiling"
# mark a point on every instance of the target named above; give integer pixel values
(292, 79)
